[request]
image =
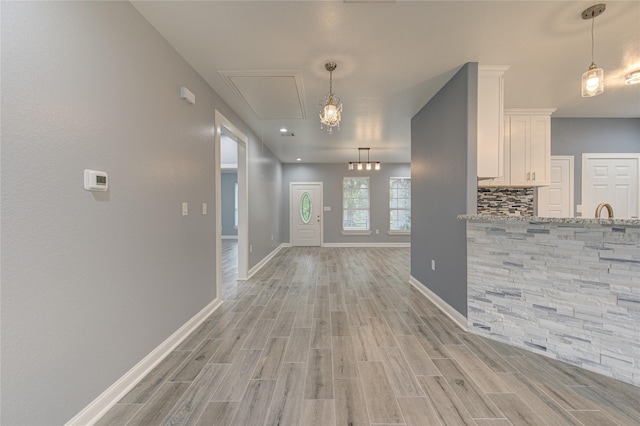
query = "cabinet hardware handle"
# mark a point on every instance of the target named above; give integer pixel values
(528, 175)
(534, 175)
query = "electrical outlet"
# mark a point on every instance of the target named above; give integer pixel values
(185, 208)
(433, 265)
(204, 208)
(377, 231)
(250, 248)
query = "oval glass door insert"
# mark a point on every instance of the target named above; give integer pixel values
(305, 207)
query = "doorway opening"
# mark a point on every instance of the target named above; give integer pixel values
(229, 205)
(227, 137)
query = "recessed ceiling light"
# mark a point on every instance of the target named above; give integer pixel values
(298, 159)
(283, 130)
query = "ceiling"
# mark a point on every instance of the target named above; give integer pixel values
(266, 59)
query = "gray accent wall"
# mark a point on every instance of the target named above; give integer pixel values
(331, 175)
(265, 201)
(443, 179)
(575, 136)
(93, 282)
(227, 187)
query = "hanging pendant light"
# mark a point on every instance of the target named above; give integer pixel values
(331, 113)
(360, 165)
(593, 78)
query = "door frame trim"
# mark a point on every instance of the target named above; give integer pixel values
(321, 209)
(586, 156)
(223, 125)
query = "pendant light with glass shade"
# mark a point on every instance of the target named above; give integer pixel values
(593, 78)
(331, 113)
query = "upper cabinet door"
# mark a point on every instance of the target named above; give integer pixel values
(520, 153)
(528, 146)
(502, 181)
(490, 121)
(540, 150)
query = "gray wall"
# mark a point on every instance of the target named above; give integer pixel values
(575, 136)
(443, 179)
(265, 201)
(92, 282)
(331, 175)
(227, 185)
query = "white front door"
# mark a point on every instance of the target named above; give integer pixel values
(556, 200)
(612, 179)
(306, 214)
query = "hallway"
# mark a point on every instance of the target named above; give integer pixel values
(337, 336)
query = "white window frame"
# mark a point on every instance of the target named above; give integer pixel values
(358, 231)
(391, 209)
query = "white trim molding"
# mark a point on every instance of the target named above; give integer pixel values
(223, 125)
(229, 237)
(366, 245)
(265, 260)
(99, 406)
(447, 309)
(398, 232)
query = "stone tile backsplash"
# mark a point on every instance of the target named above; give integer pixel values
(505, 201)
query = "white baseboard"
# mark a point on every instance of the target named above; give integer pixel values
(447, 309)
(229, 237)
(366, 245)
(99, 406)
(265, 259)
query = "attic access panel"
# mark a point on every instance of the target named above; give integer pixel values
(276, 94)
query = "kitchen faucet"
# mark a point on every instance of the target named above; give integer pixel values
(599, 210)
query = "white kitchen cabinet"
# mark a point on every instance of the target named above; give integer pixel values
(490, 121)
(530, 148)
(527, 151)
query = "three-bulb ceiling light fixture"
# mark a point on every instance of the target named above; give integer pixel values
(360, 165)
(331, 113)
(593, 78)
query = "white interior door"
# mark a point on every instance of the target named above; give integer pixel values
(612, 179)
(556, 200)
(305, 214)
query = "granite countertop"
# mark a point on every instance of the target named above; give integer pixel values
(536, 219)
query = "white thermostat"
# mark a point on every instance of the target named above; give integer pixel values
(95, 180)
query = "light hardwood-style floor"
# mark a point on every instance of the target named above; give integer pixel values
(336, 336)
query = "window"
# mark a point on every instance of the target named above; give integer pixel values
(235, 207)
(305, 208)
(355, 204)
(400, 204)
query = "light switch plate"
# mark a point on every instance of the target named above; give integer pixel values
(185, 208)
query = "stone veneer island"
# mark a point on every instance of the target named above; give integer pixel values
(568, 288)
